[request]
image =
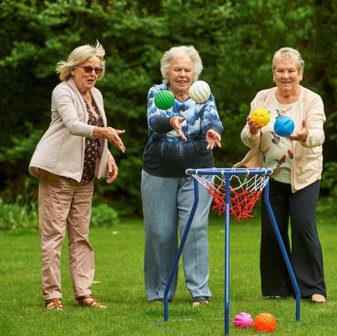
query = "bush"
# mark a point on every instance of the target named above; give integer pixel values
(329, 179)
(103, 215)
(18, 216)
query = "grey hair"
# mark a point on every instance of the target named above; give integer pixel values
(80, 55)
(291, 54)
(174, 52)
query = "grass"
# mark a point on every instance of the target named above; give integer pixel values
(119, 283)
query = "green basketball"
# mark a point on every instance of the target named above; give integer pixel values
(164, 99)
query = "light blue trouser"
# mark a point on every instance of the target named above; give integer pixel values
(167, 203)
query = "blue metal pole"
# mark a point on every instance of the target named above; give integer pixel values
(227, 250)
(284, 252)
(180, 249)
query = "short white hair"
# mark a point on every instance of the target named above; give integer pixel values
(291, 54)
(174, 52)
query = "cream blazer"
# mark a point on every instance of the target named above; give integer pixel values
(307, 163)
(61, 148)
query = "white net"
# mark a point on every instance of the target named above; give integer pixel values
(245, 191)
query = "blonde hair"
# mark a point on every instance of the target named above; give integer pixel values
(80, 55)
(174, 52)
(291, 54)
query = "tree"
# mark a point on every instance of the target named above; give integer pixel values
(236, 41)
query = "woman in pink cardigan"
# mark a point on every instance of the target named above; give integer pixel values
(297, 162)
(71, 153)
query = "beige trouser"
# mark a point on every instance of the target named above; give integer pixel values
(65, 205)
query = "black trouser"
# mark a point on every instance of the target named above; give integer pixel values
(304, 249)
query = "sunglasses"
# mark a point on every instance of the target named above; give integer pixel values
(90, 69)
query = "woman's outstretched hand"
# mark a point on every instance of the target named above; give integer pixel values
(254, 128)
(112, 169)
(213, 139)
(177, 125)
(301, 135)
(112, 135)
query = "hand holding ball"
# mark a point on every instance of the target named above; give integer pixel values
(284, 126)
(261, 117)
(164, 99)
(200, 92)
(243, 320)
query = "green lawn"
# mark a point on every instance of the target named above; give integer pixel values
(119, 284)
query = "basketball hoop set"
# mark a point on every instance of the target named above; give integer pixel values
(235, 192)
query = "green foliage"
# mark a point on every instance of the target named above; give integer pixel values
(22, 215)
(103, 216)
(21, 147)
(18, 215)
(329, 179)
(236, 40)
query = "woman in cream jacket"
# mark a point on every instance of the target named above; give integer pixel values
(297, 162)
(71, 153)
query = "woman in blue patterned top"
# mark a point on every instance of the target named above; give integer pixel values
(178, 138)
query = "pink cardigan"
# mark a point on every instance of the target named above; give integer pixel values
(307, 163)
(61, 148)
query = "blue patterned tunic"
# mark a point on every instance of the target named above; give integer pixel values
(165, 154)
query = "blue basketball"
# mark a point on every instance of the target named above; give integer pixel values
(284, 126)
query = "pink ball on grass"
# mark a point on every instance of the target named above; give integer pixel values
(243, 320)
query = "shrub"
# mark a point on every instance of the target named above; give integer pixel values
(18, 216)
(103, 215)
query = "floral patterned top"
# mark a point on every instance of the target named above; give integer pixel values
(277, 151)
(91, 146)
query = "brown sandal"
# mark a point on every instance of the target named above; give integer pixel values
(54, 304)
(89, 301)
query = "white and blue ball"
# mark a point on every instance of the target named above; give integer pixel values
(200, 91)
